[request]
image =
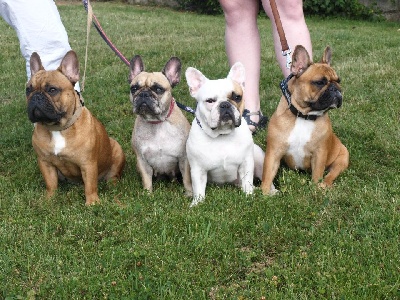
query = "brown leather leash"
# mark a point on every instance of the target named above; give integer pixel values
(285, 46)
(92, 19)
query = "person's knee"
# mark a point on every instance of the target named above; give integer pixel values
(291, 10)
(230, 7)
(236, 11)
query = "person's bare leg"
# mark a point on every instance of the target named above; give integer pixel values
(242, 42)
(294, 25)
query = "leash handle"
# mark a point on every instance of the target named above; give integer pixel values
(285, 46)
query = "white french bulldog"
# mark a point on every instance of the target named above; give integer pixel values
(220, 146)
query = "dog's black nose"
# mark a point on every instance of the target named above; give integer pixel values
(145, 94)
(224, 105)
(225, 109)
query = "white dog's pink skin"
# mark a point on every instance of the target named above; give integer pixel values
(220, 146)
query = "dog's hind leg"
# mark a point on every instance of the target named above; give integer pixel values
(118, 161)
(185, 171)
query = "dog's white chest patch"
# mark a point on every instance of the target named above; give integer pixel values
(298, 138)
(59, 142)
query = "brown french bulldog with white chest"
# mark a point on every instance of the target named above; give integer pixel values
(69, 141)
(300, 131)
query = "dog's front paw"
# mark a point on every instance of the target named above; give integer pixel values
(50, 194)
(92, 200)
(272, 191)
(196, 200)
(324, 185)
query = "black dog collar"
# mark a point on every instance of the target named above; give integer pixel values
(294, 110)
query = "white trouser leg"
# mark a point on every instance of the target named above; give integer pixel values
(39, 29)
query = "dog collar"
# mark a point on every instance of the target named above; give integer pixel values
(171, 107)
(294, 110)
(74, 118)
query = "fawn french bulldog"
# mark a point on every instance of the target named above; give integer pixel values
(161, 130)
(300, 131)
(69, 141)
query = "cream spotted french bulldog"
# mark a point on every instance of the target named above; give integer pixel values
(220, 146)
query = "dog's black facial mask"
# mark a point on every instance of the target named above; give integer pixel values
(331, 98)
(226, 112)
(40, 109)
(145, 103)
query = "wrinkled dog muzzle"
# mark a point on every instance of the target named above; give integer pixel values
(40, 109)
(227, 113)
(331, 98)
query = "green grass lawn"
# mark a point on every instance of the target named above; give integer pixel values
(301, 244)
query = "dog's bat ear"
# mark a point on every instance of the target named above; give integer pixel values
(238, 74)
(70, 66)
(195, 80)
(35, 63)
(136, 67)
(300, 60)
(327, 57)
(172, 70)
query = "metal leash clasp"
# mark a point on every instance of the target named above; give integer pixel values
(288, 57)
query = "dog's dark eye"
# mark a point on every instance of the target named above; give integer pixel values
(159, 90)
(134, 88)
(51, 90)
(235, 97)
(320, 83)
(210, 100)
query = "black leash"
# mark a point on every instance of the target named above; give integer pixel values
(100, 30)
